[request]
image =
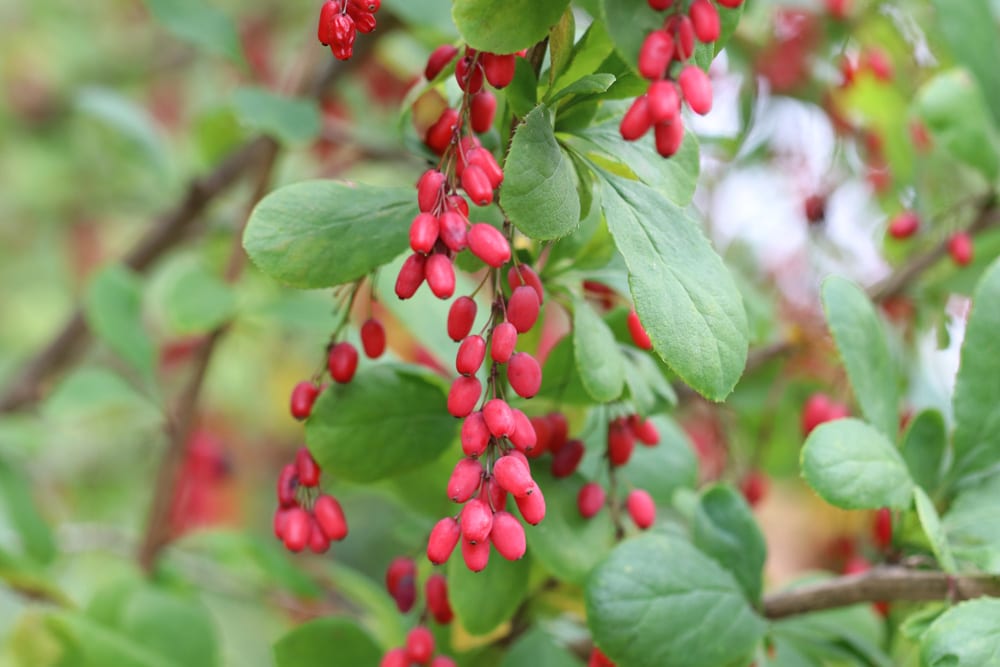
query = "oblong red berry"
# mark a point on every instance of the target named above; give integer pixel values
(319, 543)
(705, 20)
(663, 102)
(499, 68)
(558, 430)
(502, 343)
(636, 121)
(342, 30)
(621, 443)
(329, 10)
(373, 338)
(696, 89)
(411, 276)
(330, 516)
(436, 594)
(461, 317)
(522, 308)
(464, 480)
(430, 189)
(438, 60)
(669, 137)
(482, 110)
(655, 54)
(439, 272)
(306, 468)
(567, 459)
(644, 430)
(484, 159)
(641, 508)
(660, 5)
(280, 519)
(458, 204)
(508, 536)
(463, 395)
(453, 230)
(476, 520)
(365, 22)
(904, 225)
(524, 374)
(395, 658)
(424, 232)
(401, 582)
(470, 355)
(419, 645)
(590, 499)
(477, 185)
(543, 436)
(476, 554)
(524, 436)
(488, 244)
(753, 486)
(469, 74)
(730, 4)
(637, 332)
(499, 417)
(444, 536)
(532, 506)
(683, 32)
(440, 135)
(369, 6)
(960, 248)
(288, 482)
(343, 362)
(522, 274)
(513, 476)
(303, 397)
(298, 526)
(475, 435)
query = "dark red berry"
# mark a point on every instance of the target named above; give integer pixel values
(499, 69)
(493, 494)
(438, 60)
(461, 317)
(306, 468)
(621, 443)
(477, 185)
(482, 110)
(373, 338)
(558, 430)
(453, 230)
(330, 516)
(488, 244)
(669, 137)
(484, 159)
(343, 362)
(288, 482)
(364, 21)
(660, 5)
(458, 204)
(430, 190)
(882, 528)
(303, 397)
(507, 536)
(401, 582)
(469, 74)
(567, 459)
(326, 14)
(444, 537)
(590, 499)
(754, 487)
(524, 374)
(440, 134)
(436, 593)
(465, 392)
(597, 658)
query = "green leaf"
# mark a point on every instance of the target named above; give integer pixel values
(505, 26)
(321, 233)
(560, 379)
(335, 641)
(537, 649)
(852, 465)
(193, 300)
(588, 85)
(967, 635)
(599, 361)
(725, 529)
(170, 626)
(924, 446)
(665, 468)
(568, 545)
(113, 308)
(931, 523)
(522, 93)
(684, 294)
(290, 120)
(561, 37)
(19, 504)
(482, 601)
(865, 352)
(92, 645)
(969, 27)
(539, 187)
(977, 392)
(386, 421)
(972, 525)
(659, 601)
(127, 118)
(199, 23)
(590, 51)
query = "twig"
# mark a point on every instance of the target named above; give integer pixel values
(880, 584)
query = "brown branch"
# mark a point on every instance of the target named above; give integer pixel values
(880, 584)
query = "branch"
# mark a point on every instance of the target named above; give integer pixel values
(880, 584)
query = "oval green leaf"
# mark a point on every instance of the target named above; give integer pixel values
(725, 529)
(599, 361)
(505, 26)
(923, 448)
(334, 641)
(967, 635)
(484, 600)
(931, 523)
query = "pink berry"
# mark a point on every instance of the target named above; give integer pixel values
(343, 362)
(298, 526)
(641, 508)
(507, 536)
(669, 137)
(430, 188)
(493, 494)
(513, 476)
(488, 244)
(683, 33)
(444, 537)
(522, 308)
(904, 225)
(465, 392)
(476, 554)
(411, 276)
(499, 417)
(644, 430)
(424, 232)
(524, 436)
(475, 435)
(503, 342)
(453, 231)
(636, 121)
(470, 355)
(469, 74)
(303, 397)
(482, 158)
(754, 487)
(419, 645)
(522, 274)
(461, 317)
(476, 520)
(960, 248)
(306, 468)
(395, 658)
(705, 19)
(319, 543)
(330, 517)
(439, 135)
(524, 374)
(442, 661)
(590, 499)
(373, 338)
(532, 506)
(696, 89)
(663, 102)
(655, 54)
(477, 185)
(464, 480)
(439, 271)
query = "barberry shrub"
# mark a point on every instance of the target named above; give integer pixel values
(558, 415)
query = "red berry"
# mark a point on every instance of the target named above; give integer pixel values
(411, 276)
(524, 374)
(476, 521)
(440, 134)
(395, 658)
(567, 459)
(436, 593)
(879, 64)
(669, 137)
(470, 355)
(444, 537)
(280, 520)
(522, 308)
(330, 517)
(319, 543)
(508, 536)
(365, 22)
(532, 506)
(484, 159)
(815, 207)
(641, 508)
(543, 436)
(476, 555)
(696, 88)
(638, 333)
(440, 275)
(499, 69)
(288, 482)
(424, 232)
(503, 342)
(655, 54)
(469, 74)
(524, 436)
(488, 244)
(461, 317)
(303, 397)
(464, 480)
(453, 231)
(442, 661)
(465, 392)
(401, 582)
(298, 526)
(513, 476)
(522, 274)
(419, 645)
(636, 121)
(558, 430)
(683, 32)
(960, 248)
(705, 19)
(373, 338)
(663, 102)
(475, 435)
(730, 4)
(499, 417)
(597, 658)
(482, 110)
(754, 487)
(438, 59)
(306, 468)
(430, 188)
(369, 6)
(904, 225)
(621, 443)
(590, 499)
(326, 14)
(493, 494)
(644, 430)
(477, 185)
(882, 528)
(820, 408)
(458, 204)
(856, 565)
(342, 362)
(342, 30)
(660, 5)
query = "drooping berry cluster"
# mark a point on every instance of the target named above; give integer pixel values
(340, 21)
(665, 60)
(306, 516)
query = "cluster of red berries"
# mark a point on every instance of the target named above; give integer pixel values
(340, 21)
(418, 650)
(306, 516)
(907, 223)
(820, 408)
(660, 107)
